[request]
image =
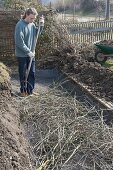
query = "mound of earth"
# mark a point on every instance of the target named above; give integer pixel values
(14, 147)
(92, 74)
(98, 79)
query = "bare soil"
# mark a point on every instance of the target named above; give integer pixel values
(82, 67)
(14, 148)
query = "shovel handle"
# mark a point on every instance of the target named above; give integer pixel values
(31, 59)
(28, 70)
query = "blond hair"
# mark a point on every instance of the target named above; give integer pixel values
(29, 11)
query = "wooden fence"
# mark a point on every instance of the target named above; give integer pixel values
(89, 31)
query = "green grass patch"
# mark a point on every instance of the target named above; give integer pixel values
(108, 64)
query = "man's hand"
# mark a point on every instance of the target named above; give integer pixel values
(31, 55)
(41, 21)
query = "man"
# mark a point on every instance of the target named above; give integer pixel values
(26, 34)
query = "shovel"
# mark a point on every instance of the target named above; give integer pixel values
(27, 71)
(31, 59)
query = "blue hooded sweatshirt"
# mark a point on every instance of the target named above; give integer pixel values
(26, 35)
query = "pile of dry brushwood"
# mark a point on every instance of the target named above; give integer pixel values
(63, 136)
(52, 43)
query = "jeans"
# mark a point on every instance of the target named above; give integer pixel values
(26, 86)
